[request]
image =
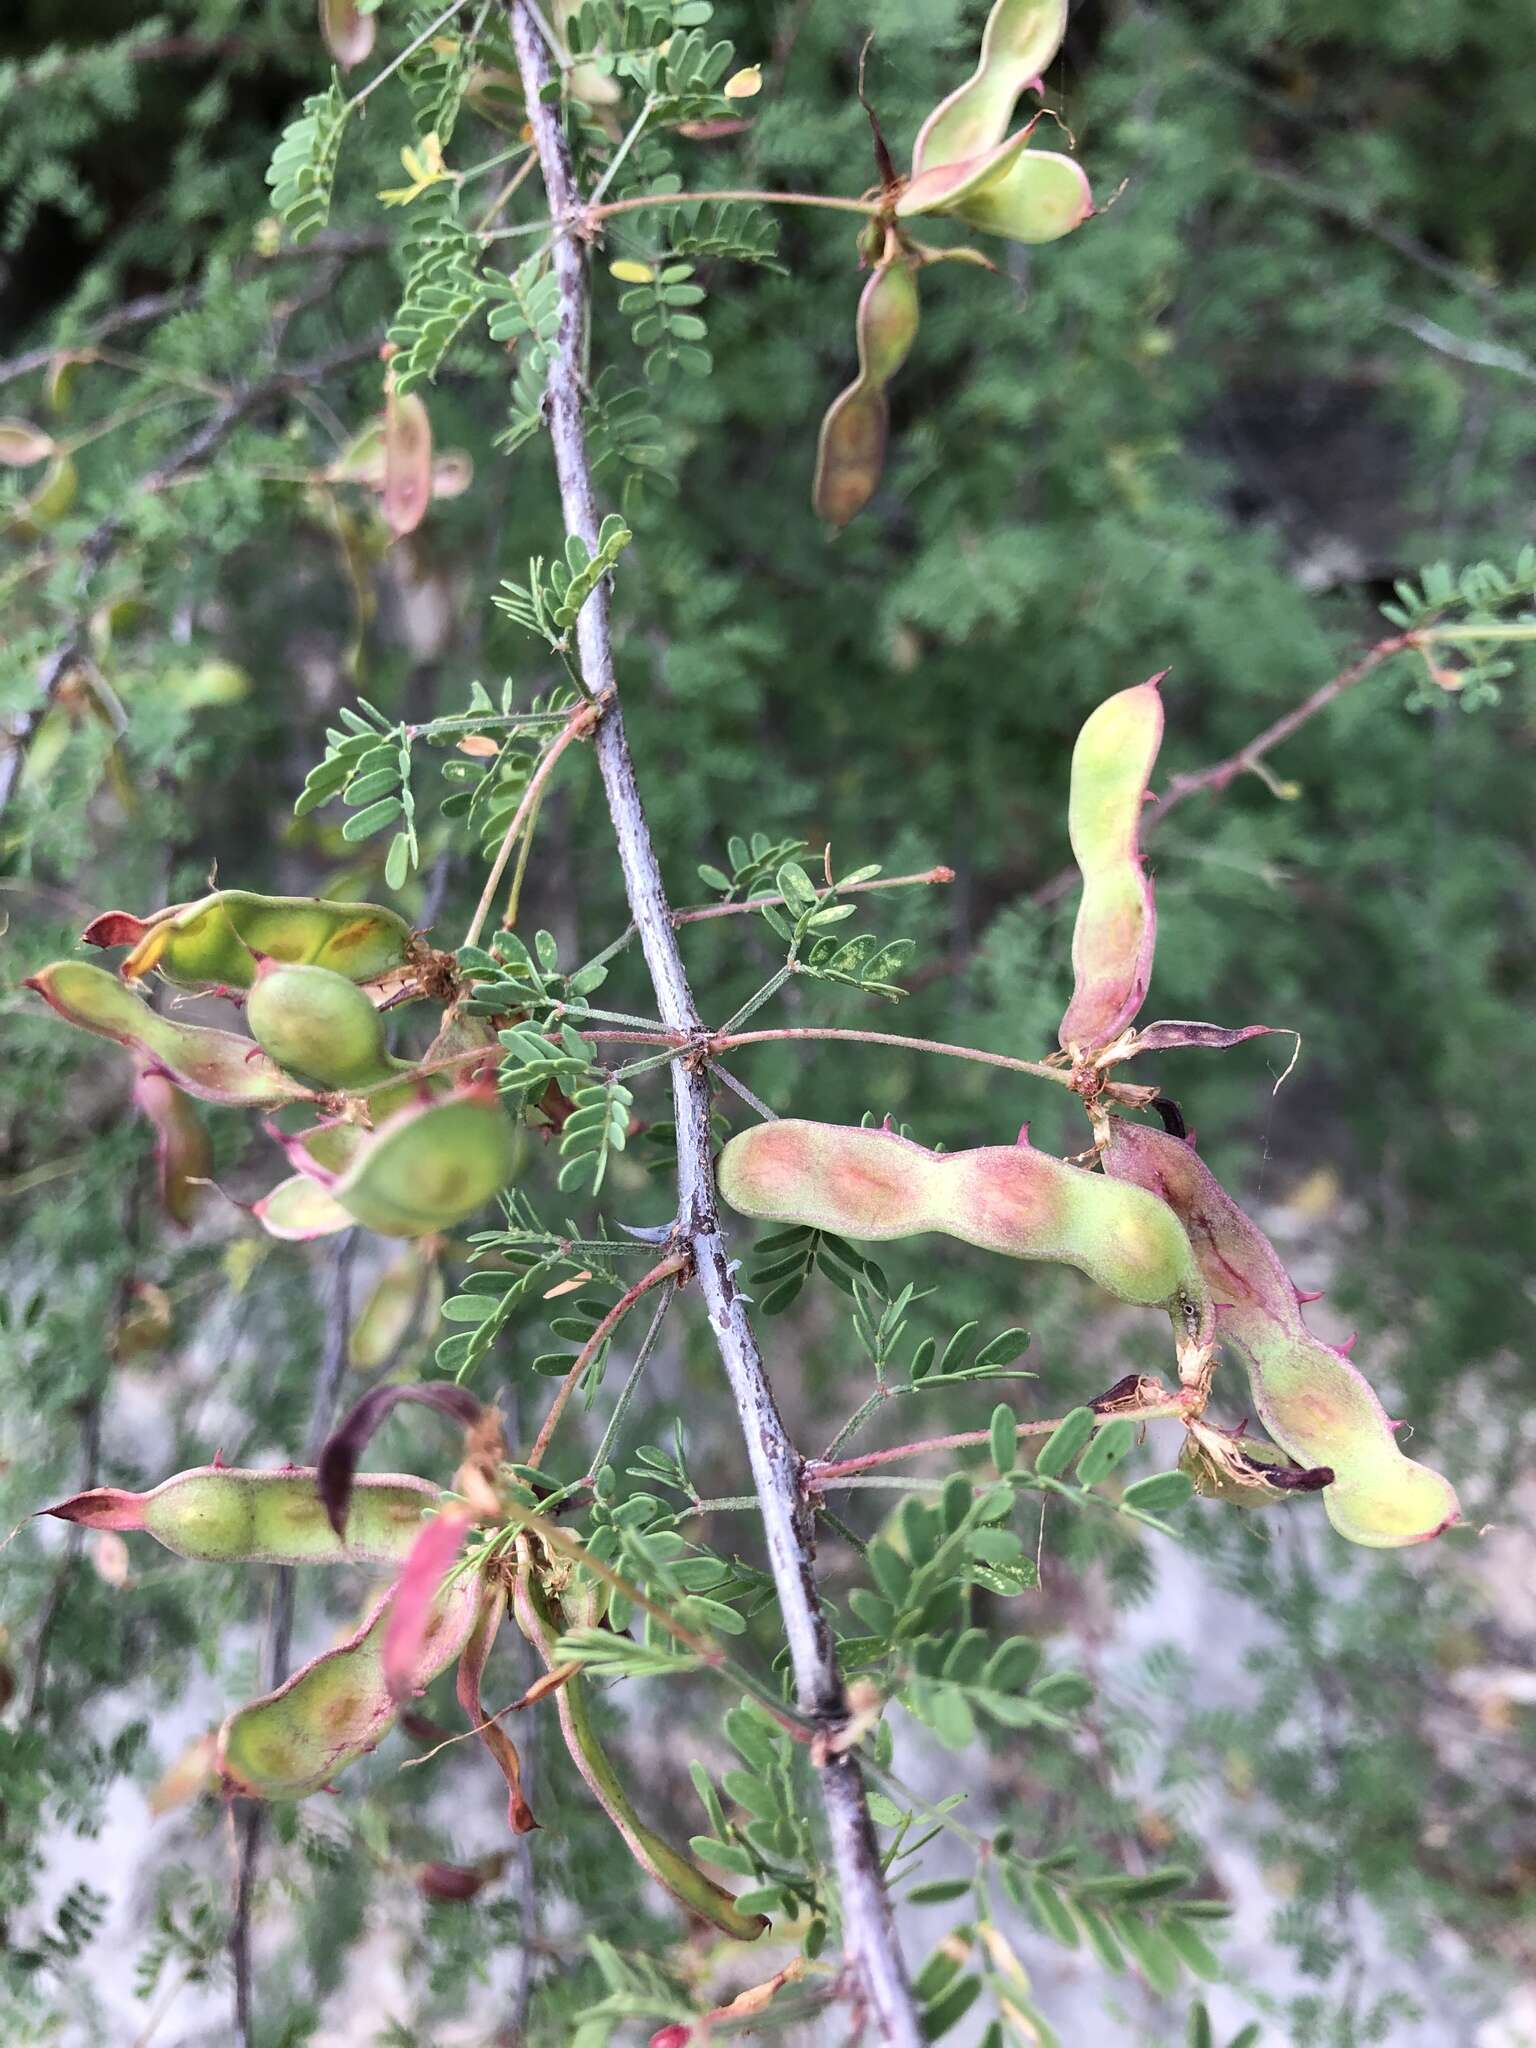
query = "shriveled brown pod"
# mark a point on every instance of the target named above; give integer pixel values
(850, 454)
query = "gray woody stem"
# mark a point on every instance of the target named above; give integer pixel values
(879, 1977)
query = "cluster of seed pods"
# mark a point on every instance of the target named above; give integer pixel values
(1187, 1247)
(965, 167)
(340, 1705)
(401, 1154)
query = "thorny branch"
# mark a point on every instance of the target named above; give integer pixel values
(878, 1976)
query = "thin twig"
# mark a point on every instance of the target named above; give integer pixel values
(878, 1978)
(732, 193)
(584, 1357)
(726, 1040)
(933, 876)
(627, 1391)
(152, 306)
(580, 722)
(820, 1472)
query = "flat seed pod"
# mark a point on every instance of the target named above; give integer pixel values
(193, 945)
(215, 1066)
(214, 943)
(22, 444)
(432, 1165)
(1116, 930)
(871, 1186)
(1019, 41)
(1041, 197)
(359, 940)
(348, 32)
(318, 1026)
(850, 453)
(407, 463)
(299, 1209)
(221, 1514)
(337, 1707)
(949, 187)
(183, 1156)
(495, 1738)
(1312, 1400)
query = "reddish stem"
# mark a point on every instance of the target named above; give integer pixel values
(599, 1337)
(822, 1472)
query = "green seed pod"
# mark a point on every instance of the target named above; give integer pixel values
(1311, 1399)
(1020, 39)
(1039, 198)
(337, 1707)
(183, 1155)
(432, 1165)
(318, 1026)
(1116, 930)
(214, 943)
(220, 1514)
(215, 1066)
(951, 187)
(298, 1209)
(850, 453)
(872, 1185)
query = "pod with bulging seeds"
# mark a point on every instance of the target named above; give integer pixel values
(871, 1185)
(1315, 1404)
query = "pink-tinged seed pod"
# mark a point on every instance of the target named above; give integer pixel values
(318, 1026)
(871, 1185)
(216, 942)
(337, 1707)
(215, 1066)
(346, 31)
(1116, 930)
(183, 1156)
(224, 1514)
(407, 463)
(947, 188)
(1020, 39)
(850, 454)
(1313, 1402)
(432, 1165)
(299, 1209)
(1039, 198)
(413, 1610)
